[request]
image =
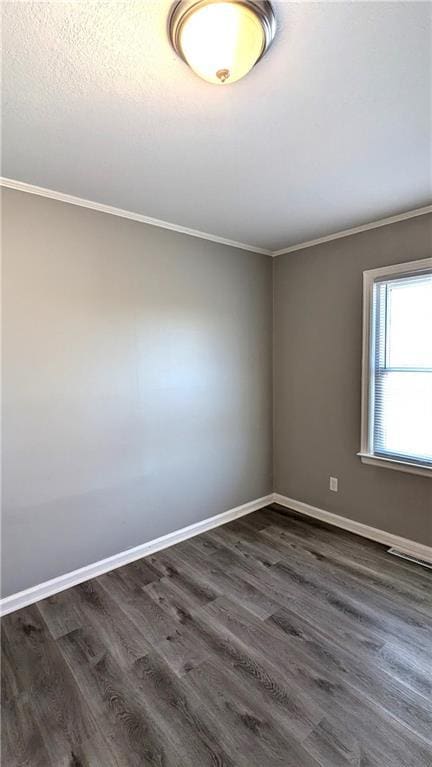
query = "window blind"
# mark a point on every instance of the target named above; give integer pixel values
(401, 368)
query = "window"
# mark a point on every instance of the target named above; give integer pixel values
(397, 367)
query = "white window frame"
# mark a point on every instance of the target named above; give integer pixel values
(367, 409)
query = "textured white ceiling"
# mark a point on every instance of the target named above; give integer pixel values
(331, 130)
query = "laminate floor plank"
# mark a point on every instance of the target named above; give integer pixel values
(243, 537)
(273, 641)
(361, 549)
(291, 542)
(137, 605)
(343, 628)
(187, 579)
(179, 712)
(10, 688)
(123, 714)
(256, 665)
(315, 688)
(60, 613)
(295, 589)
(337, 746)
(406, 667)
(159, 627)
(173, 600)
(141, 572)
(96, 752)
(102, 615)
(365, 675)
(21, 741)
(59, 712)
(256, 600)
(243, 720)
(98, 611)
(371, 577)
(346, 597)
(402, 660)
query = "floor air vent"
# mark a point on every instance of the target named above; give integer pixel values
(410, 558)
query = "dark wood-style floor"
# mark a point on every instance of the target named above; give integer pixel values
(274, 640)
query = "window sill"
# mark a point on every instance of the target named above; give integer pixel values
(391, 463)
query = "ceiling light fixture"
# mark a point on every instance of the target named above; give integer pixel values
(221, 40)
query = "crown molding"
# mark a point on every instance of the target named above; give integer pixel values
(355, 230)
(21, 186)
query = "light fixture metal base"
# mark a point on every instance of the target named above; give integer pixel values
(184, 8)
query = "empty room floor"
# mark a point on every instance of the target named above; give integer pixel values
(273, 640)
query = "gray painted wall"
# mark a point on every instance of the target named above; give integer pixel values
(137, 384)
(317, 374)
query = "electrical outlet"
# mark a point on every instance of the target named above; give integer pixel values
(334, 484)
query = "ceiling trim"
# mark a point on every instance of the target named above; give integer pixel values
(355, 230)
(42, 192)
(22, 186)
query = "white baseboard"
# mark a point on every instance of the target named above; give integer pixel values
(418, 550)
(66, 581)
